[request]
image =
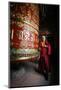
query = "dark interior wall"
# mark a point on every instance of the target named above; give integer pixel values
(49, 18)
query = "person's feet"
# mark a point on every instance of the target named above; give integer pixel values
(46, 75)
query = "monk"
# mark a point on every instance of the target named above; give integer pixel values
(45, 52)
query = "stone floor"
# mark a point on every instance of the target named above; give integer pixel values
(26, 74)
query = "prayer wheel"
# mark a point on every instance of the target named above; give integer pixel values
(24, 31)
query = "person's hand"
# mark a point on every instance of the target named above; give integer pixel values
(46, 46)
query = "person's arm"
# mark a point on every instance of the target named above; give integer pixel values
(49, 49)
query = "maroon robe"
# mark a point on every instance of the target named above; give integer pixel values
(45, 52)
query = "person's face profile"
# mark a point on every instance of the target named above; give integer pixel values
(43, 38)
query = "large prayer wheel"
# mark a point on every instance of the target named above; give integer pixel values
(24, 28)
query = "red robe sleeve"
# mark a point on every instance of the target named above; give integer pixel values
(49, 49)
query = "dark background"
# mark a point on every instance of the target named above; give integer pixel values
(49, 19)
